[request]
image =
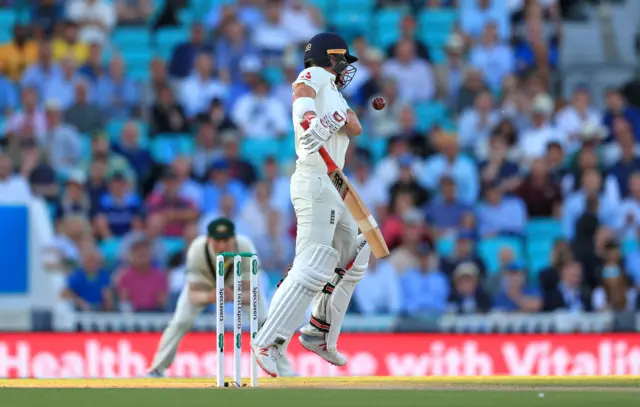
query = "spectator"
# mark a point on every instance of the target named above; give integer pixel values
(533, 47)
(397, 118)
(67, 45)
(467, 296)
(232, 48)
(613, 292)
(185, 54)
(93, 69)
(239, 168)
(408, 27)
(588, 160)
(632, 262)
(492, 57)
(414, 77)
(279, 185)
(207, 150)
(561, 255)
(374, 84)
(378, 293)
(272, 35)
(555, 160)
(516, 296)
(420, 144)
(83, 114)
(141, 287)
(475, 124)
(129, 147)
(62, 87)
(533, 142)
(405, 255)
(282, 89)
(197, 91)
(119, 210)
(74, 200)
(35, 167)
(425, 289)
(226, 209)
(46, 14)
(450, 75)
(445, 212)
(177, 211)
(450, 161)
(569, 294)
(153, 228)
(63, 142)
(188, 189)
(118, 93)
(628, 214)
(572, 119)
(30, 119)
(499, 214)
(89, 287)
(97, 184)
(74, 234)
(617, 107)
(134, 12)
(13, 187)
(96, 17)
(38, 74)
(167, 116)
(156, 83)
(302, 20)
(540, 193)
(8, 93)
(475, 15)
(387, 170)
(472, 84)
(407, 183)
(623, 154)
(248, 13)
(218, 116)
(19, 53)
(498, 167)
(221, 183)
(260, 115)
(368, 186)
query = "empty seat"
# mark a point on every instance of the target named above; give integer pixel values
(489, 250)
(166, 147)
(131, 38)
(110, 249)
(543, 228)
(173, 244)
(428, 114)
(386, 27)
(539, 254)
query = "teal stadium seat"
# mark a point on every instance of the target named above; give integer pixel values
(445, 246)
(428, 114)
(256, 150)
(489, 251)
(539, 254)
(173, 244)
(377, 147)
(350, 22)
(168, 38)
(543, 228)
(110, 249)
(137, 59)
(387, 26)
(629, 245)
(273, 75)
(436, 26)
(114, 129)
(166, 147)
(131, 38)
(7, 20)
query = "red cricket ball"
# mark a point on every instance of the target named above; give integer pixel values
(378, 103)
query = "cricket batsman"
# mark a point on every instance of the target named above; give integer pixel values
(326, 231)
(201, 268)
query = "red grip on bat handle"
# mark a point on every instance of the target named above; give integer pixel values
(331, 165)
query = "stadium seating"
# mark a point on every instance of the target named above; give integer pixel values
(110, 249)
(489, 250)
(428, 114)
(166, 147)
(386, 28)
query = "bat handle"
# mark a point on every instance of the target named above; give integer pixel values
(331, 165)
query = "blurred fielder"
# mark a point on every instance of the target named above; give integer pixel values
(326, 232)
(200, 290)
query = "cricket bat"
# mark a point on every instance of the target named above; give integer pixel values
(367, 224)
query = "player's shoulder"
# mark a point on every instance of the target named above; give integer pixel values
(314, 75)
(245, 244)
(197, 245)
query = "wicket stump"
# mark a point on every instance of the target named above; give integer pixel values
(237, 315)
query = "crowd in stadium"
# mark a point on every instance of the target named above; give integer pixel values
(492, 192)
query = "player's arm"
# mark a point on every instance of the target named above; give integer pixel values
(353, 126)
(304, 108)
(201, 293)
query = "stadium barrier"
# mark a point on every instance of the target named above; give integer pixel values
(59, 355)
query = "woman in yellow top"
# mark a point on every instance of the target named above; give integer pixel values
(68, 44)
(17, 54)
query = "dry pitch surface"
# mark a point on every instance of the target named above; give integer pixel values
(621, 391)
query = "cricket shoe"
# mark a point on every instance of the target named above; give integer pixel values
(267, 358)
(319, 347)
(155, 374)
(285, 369)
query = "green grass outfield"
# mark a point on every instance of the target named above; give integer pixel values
(622, 391)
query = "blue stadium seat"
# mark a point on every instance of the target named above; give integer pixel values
(437, 54)
(539, 254)
(85, 142)
(273, 75)
(445, 246)
(377, 147)
(428, 114)
(546, 228)
(489, 251)
(173, 244)
(166, 147)
(114, 129)
(131, 38)
(168, 38)
(110, 249)
(440, 21)
(629, 245)
(256, 150)
(350, 23)
(137, 59)
(386, 28)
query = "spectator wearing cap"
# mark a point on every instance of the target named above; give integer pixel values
(472, 84)
(628, 214)
(572, 119)
(500, 215)
(463, 252)
(450, 161)
(18, 53)
(475, 15)
(207, 150)
(167, 116)
(74, 199)
(129, 147)
(188, 189)
(249, 72)
(368, 187)
(220, 183)
(467, 295)
(8, 92)
(444, 213)
(617, 106)
(119, 95)
(62, 87)
(185, 54)
(153, 230)
(450, 74)
(260, 115)
(141, 287)
(405, 241)
(533, 141)
(516, 295)
(492, 56)
(272, 36)
(89, 286)
(119, 210)
(414, 76)
(176, 211)
(92, 69)
(199, 88)
(407, 182)
(38, 74)
(13, 187)
(498, 166)
(83, 114)
(68, 44)
(476, 123)
(425, 289)
(540, 193)
(569, 294)
(408, 29)
(387, 170)
(239, 168)
(623, 154)
(30, 117)
(62, 141)
(96, 17)
(134, 12)
(235, 52)
(378, 293)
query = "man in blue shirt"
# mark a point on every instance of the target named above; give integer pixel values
(89, 287)
(220, 184)
(184, 55)
(445, 212)
(425, 289)
(499, 214)
(119, 210)
(514, 295)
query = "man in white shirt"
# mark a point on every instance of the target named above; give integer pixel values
(272, 36)
(414, 76)
(493, 58)
(259, 114)
(368, 187)
(13, 188)
(533, 142)
(475, 124)
(199, 89)
(572, 118)
(96, 17)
